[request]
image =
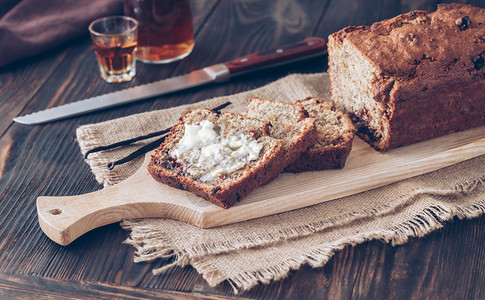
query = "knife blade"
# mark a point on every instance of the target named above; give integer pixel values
(308, 48)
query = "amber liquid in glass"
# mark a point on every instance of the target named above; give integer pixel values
(115, 59)
(165, 31)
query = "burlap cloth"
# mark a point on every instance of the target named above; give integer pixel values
(266, 249)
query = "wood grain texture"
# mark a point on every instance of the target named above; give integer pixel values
(30, 287)
(45, 160)
(236, 28)
(436, 266)
(334, 281)
(63, 219)
(13, 80)
(25, 176)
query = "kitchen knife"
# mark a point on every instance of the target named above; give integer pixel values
(308, 48)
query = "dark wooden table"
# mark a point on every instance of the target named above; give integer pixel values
(46, 160)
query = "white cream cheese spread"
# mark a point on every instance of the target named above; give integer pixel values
(207, 154)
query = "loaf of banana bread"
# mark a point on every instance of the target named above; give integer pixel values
(413, 77)
(219, 157)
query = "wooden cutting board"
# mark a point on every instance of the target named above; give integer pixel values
(65, 218)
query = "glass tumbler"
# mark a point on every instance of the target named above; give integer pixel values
(115, 40)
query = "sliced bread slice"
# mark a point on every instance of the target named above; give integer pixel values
(219, 157)
(333, 144)
(289, 122)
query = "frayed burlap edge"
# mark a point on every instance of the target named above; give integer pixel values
(204, 256)
(422, 223)
(430, 219)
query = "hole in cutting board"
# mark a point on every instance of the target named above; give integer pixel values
(55, 211)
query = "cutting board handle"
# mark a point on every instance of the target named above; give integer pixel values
(65, 218)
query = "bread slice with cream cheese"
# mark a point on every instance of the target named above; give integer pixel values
(220, 157)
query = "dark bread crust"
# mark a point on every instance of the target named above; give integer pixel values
(326, 153)
(225, 192)
(429, 74)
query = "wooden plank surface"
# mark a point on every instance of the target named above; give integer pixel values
(30, 287)
(39, 160)
(65, 218)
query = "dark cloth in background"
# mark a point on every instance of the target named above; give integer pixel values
(30, 27)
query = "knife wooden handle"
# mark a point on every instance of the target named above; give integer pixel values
(310, 47)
